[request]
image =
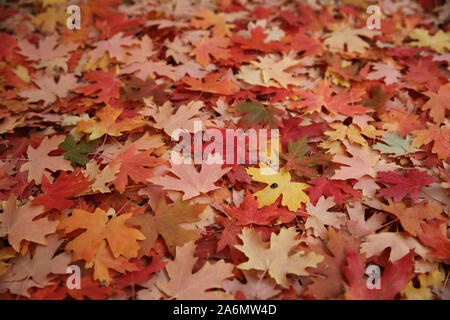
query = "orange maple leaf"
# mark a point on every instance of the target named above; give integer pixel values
(212, 83)
(215, 47)
(108, 123)
(122, 240)
(137, 166)
(323, 96)
(440, 136)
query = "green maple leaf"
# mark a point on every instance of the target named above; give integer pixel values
(76, 152)
(256, 113)
(394, 143)
(303, 165)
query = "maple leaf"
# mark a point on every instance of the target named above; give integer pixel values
(361, 164)
(440, 41)
(339, 190)
(50, 18)
(215, 83)
(76, 153)
(90, 289)
(274, 257)
(258, 41)
(137, 166)
(114, 46)
(184, 284)
(49, 90)
(166, 222)
(393, 143)
(43, 263)
(412, 217)
(303, 165)
(190, 181)
(19, 287)
(66, 186)
(255, 287)
(270, 72)
(399, 242)
(7, 45)
(349, 38)
(108, 123)
(206, 18)
(18, 223)
(440, 136)
(410, 184)
(334, 254)
(398, 120)
(215, 47)
(143, 274)
(386, 71)
(319, 216)
(256, 113)
(229, 238)
(39, 160)
(322, 96)
(439, 103)
(105, 86)
(358, 225)
(182, 119)
(394, 278)
(427, 283)
(5, 254)
(101, 177)
(122, 240)
(104, 260)
(292, 130)
(279, 183)
(49, 48)
(434, 236)
(249, 214)
(352, 133)
(150, 69)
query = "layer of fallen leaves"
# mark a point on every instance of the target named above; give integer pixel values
(86, 118)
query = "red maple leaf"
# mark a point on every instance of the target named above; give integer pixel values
(292, 130)
(400, 186)
(143, 274)
(7, 45)
(434, 236)
(394, 278)
(256, 41)
(136, 166)
(56, 194)
(338, 189)
(106, 85)
(324, 96)
(249, 214)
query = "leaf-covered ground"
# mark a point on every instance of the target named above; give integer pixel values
(86, 122)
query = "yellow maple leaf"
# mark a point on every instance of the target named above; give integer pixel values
(279, 183)
(440, 41)
(352, 132)
(50, 18)
(427, 282)
(275, 259)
